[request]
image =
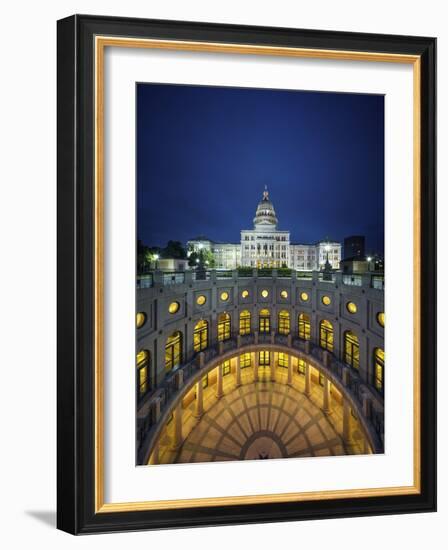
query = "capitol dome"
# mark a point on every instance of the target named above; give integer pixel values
(265, 215)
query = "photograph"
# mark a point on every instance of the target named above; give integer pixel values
(260, 282)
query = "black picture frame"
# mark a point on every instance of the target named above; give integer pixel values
(76, 261)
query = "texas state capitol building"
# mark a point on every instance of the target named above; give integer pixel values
(267, 246)
(250, 364)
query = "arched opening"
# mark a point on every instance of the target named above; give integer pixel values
(143, 380)
(264, 320)
(304, 326)
(173, 351)
(378, 369)
(200, 336)
(351, 349)
(284, 324)
(245, 322)
(326, 335)
(223, 327)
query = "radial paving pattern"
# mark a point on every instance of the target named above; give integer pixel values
(261, 420)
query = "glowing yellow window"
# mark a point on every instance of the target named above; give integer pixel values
(264, 321)
(304, 297)
(351, 307)
(142, 372)
(174, 307)
(284, 324)
(304, 326)
(326, 300)
(381, 318)
(284, 294)
(265, 293)
(173, 351)
(141, 319)
(201, 300)
(326, 335)
(200, 336)
(224, 327)
(378, 359)
(245, 294)
(224, 296)
(245, 322)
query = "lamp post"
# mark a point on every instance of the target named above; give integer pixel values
(156, 257)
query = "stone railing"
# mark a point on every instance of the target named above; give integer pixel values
(154, 411)
(161, 278)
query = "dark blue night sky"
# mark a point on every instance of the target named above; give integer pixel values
(204, 155)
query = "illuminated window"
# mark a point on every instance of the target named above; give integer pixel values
(142, 373)
(245, 294)
(200, 300)
(264, 358)
(283, 360)
(205, 381)
(351, 349)
(245, 360)
(200, 336)
(304, 326)
(244, 322)
(173, 351)
(264, 320)
(224, 296)
(223, 327)
(265, 293)
(326, 300)
(326, 336)
(304, 297)
(226, 368)
(284, 294)
(301, 367)
(174, 307)
(378, 369)
(351, 307)
(381, 318)
(284, 324)
(140, 319)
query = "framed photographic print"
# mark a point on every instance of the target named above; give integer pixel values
(246, 266)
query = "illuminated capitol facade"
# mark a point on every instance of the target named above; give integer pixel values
(265, 246)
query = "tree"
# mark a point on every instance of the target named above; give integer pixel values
(174, 249)
(202, 259)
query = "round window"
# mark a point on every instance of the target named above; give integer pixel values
(245, 294)
(326, 300)
(200, 300)
(284, 294)
(224, 296)
(381, 318)
(351, 307)
(174, 307)
(304, 297)
(140, 319)
(264, 293)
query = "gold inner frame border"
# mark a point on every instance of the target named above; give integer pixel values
(101, 42)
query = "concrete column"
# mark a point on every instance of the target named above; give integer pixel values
(307, 347)
(238, 341)
(273, 365)
(219, 392)
(346, 421)
(238, 371)
(256, 337)
(199, 405)
(307, 379)
(256, 367)
(201, 359)
(289, 340)
(289, 382)
(154, 458)
(327, 396)
(177, 428)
